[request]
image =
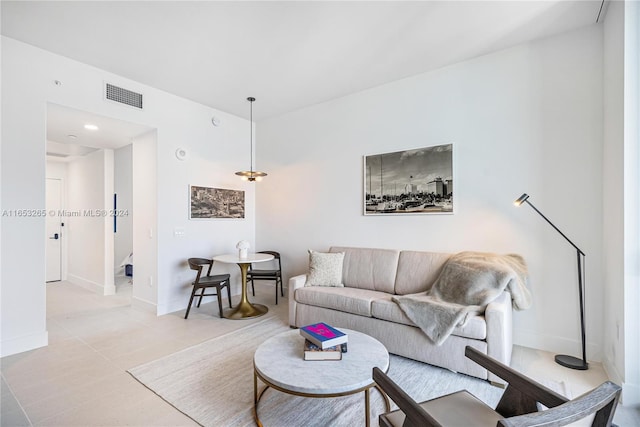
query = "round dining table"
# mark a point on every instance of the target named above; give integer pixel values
(245, 309)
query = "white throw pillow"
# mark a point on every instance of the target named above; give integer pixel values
(325, 269)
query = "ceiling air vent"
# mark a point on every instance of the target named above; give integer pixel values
(123, 96)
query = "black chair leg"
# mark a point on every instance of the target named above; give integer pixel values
(253, 290)
(219, 297)
(229, 293)
(193, 293)
(279, 280)
(201, 295)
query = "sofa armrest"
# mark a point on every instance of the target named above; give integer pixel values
(498, 316)
(294, 283)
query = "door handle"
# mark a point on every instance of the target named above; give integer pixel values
(55, 237)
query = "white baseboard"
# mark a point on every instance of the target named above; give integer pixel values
(91, 285)
(178, 302)
(175, 305)
(555, 344)
(611, 371)
(181, 304)
(85, 283)
(630, 391)
(110, 289)
(21, 344)
(144, 305)
(630, 394)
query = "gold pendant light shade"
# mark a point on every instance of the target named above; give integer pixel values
(251, 175)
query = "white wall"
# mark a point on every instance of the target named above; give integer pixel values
(28, 74)
(56, 169)
(631, 386)
(526, 119)
(89, 234)
(23, 185)
(622, 226)
(145, 221)
(613, 194)
(107, 225)
(1, 199)
(123, 187)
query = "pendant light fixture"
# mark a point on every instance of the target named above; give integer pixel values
(251, 175)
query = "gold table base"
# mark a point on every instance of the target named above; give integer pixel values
(367, 408)
(245, 310)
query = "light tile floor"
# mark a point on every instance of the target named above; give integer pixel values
(80, 379)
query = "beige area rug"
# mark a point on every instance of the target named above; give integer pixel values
(212, 383)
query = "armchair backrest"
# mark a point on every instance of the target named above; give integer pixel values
(522, 393)
(600, 401)
(518, 405)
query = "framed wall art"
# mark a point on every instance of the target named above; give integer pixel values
(211, 203)
(418, 181)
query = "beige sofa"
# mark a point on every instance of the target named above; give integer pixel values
(371, 277)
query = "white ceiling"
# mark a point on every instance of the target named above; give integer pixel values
(67, 137)
(286, 54)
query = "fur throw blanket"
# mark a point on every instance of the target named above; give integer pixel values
(468, 282)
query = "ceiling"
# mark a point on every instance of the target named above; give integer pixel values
(288, 54)
(67, 137)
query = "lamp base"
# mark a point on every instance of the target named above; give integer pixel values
(571, 362)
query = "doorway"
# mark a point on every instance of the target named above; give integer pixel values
(88, 156)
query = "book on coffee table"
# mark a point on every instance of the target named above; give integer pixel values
(313, 352)
(323, 335)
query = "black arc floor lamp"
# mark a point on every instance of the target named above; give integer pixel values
(562, 359)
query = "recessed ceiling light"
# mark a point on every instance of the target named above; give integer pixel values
(90, 127)
(71, 136)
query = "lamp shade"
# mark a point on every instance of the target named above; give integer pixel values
(520, 200)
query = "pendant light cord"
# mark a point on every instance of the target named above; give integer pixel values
(251, 175)
(251, 133)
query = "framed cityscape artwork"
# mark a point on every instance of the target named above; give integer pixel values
(418, 181)
(209, 203)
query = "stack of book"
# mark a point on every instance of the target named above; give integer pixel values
(323, 342)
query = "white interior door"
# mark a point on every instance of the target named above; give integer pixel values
(53, 237)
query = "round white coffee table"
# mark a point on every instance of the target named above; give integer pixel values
(278, 363)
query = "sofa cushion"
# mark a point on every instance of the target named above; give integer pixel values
(325, 269)
(417, 271)
(349, 300)
(373, 269)
(385, 309)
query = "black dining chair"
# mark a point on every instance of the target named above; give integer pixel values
(218, 281)
(275, 275)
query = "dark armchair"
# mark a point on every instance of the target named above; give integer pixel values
(518, 406)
